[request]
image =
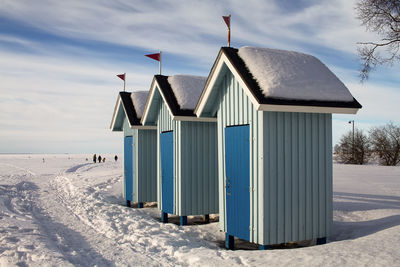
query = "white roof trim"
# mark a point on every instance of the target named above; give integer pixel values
(154, 84)
(191, 118)
(115, 112)
(146, 107)
(307, 109)
(211, 83)
(144, 127)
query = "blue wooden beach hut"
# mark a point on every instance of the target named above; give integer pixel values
(274, 111)
(186, 148)
(140, 148)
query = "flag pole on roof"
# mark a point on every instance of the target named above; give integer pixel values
(156, 56)
(227, 20)
(122, 77)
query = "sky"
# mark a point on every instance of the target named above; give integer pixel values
(59, 60)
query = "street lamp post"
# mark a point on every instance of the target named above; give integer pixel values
(352, 121)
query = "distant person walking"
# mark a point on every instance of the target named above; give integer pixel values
(116, 158)
(99, 159)
(94, 158)
(104, 159)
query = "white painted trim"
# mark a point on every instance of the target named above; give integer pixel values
(146, 107)
(222, 59)
(154, 86)
(144, 127)
(239, 79)
(165, 101)
(307, 109)
(116, 108)
(208, 87)
(191, 118)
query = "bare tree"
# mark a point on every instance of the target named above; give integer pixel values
(357, 151)
(382, 17)
(386, 143)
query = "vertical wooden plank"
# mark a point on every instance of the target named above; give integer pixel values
(295, 176)
(280, 178)
(205, 166)
(315, 171)
(287, 175)
(183, 182)
(151, 165)
(137, 189)
(221, 163)
(265, 196)
(241, 103)
(273, 191)
(260, 192)
(302, 176)
(329, 174)
(252, 171)
(321, 175)
(229, 114)
(308, 185)
(177, 170)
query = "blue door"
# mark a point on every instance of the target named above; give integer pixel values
(167, 171)
(128, 167)
(237, 153)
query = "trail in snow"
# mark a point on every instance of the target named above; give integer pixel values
(70, 212)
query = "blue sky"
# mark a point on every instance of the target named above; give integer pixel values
(58, 60)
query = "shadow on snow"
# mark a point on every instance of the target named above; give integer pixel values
(352, 202)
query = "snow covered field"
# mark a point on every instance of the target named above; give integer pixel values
(67, 211)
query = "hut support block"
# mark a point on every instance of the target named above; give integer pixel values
(140, 205)
(207, 218)
(164, 217)
(183, 220)
(229, 241)
(321, 241)
(128, 203)
(263, 247)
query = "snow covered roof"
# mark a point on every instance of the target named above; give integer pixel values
(129, 105)
(187, 89)
(180, 93)
(276, 80)
(139, 99)
(291, 75)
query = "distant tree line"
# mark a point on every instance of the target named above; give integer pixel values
(381, 143)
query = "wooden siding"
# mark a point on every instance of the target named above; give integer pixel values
(144, 163)
(235, 108)
(297, 176)
(165, 123)
(147, 165)
(194, 141)
(290, 168)
(199, 174)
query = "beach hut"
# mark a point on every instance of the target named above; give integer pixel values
(140, 148)
(186, 148)
(274, 122)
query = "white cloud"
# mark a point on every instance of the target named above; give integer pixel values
(182, 28)
(65, 95)
(44, 100)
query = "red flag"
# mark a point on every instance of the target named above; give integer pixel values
(227, 20)
(154, 56)
(121, 76)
